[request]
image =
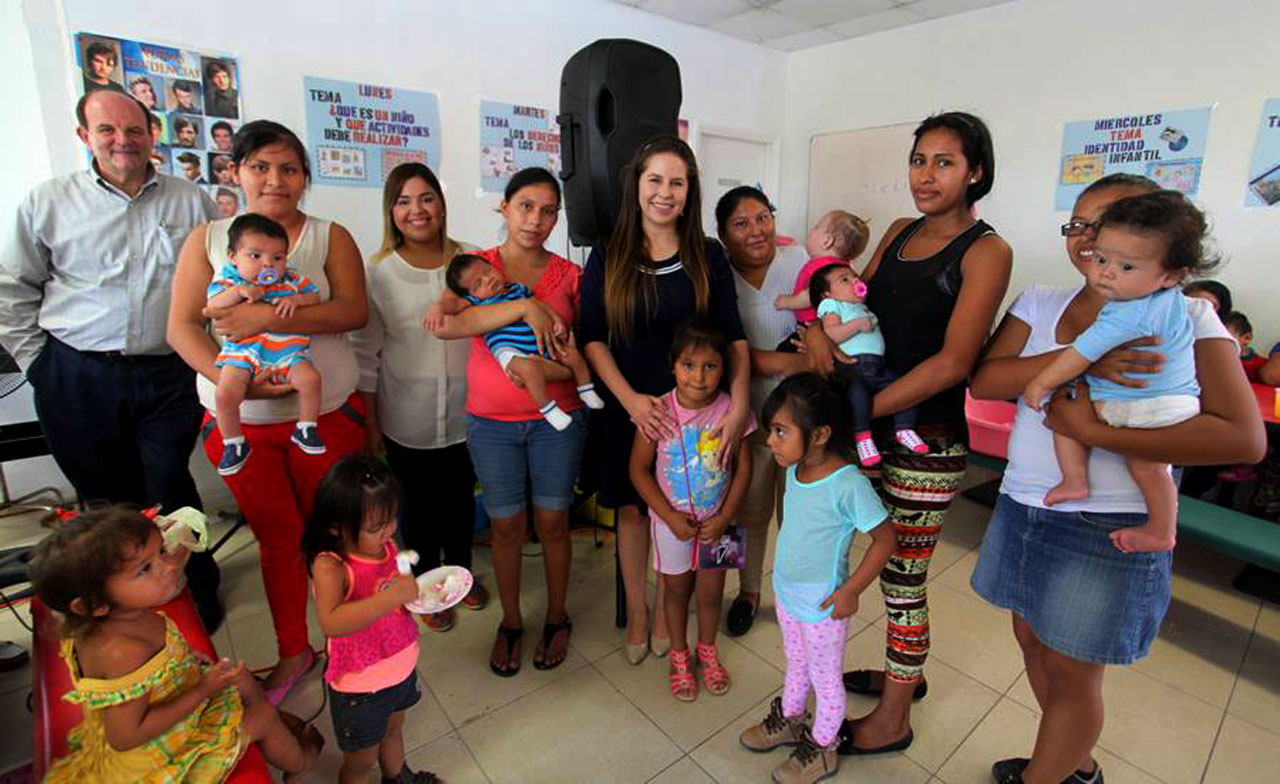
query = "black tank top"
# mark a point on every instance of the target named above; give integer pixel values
(913, 301)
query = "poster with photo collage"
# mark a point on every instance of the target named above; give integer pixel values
(194, 98)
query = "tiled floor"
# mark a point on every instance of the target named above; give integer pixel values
(1205, 706)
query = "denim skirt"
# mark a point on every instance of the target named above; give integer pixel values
(1080, 595)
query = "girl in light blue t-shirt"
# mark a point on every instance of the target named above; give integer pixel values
(826, 501)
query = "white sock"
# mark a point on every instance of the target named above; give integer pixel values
(232, 441)
(304, 425)
(587, 393)
(552, 413)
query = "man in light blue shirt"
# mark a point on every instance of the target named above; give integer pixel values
(84, 301)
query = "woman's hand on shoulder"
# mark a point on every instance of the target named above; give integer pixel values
(731, 430)
(651, 416)
(1126, 358)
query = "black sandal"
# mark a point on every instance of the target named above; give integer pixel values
(549, 632)
(741, 615)
(859, 682)
(512, 636)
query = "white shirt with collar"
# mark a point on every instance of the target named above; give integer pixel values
(92, 266)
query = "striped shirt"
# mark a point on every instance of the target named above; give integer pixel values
(517, 335)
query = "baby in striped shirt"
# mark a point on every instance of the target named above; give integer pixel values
(474, 281)
(256, 271)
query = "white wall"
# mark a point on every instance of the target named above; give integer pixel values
(20, 102)
(1026, 68)
(503, 50)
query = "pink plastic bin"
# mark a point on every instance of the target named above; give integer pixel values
(990, 422)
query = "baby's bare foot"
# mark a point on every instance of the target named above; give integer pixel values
(1142, 539)
(1064, 492)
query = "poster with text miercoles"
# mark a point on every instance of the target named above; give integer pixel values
(1167, 146)
(1263, 189)
(358, 132)
(194, 98)
(514, 137)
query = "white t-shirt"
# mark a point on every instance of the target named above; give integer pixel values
(1033, 468)
(765, 325)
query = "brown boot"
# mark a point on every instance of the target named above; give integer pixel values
(809, 762)
(776, 730)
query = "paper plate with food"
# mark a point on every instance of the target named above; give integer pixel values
(440, 589)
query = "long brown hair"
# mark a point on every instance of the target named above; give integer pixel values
(626, 286)
(392, 237)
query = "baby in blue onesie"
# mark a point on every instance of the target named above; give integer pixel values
(1145, 246)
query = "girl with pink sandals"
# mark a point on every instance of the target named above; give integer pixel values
(693, 497)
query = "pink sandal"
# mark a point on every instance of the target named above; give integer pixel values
(276, 696)
(714, 676)
(684, 686)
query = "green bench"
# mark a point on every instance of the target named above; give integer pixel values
(1251, 539)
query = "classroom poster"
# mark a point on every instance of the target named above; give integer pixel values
(358, 133)
(1166, 146)
(514, 137)
(194, 98)
(1263, 189)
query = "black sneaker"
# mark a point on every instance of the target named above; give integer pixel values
(406, 776)
(1009, 771)
(234, 456)
(308, 440)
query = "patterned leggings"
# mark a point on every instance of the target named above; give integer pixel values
(917, 490)
(814, 653)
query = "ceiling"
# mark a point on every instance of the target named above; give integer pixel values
(791, 25)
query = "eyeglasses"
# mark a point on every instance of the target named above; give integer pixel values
(1077, 227)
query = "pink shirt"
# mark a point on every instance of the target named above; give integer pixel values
(686, 467)
(805, 315)
(383, 653)
(490, 394)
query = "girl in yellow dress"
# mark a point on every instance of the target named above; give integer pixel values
(153, 709)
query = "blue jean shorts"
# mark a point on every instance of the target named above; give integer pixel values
(360, 719)
(504, 453)
(1080, 595)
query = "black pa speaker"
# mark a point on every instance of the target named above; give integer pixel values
(614, 95)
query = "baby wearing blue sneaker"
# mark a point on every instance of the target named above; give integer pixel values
(255, 271)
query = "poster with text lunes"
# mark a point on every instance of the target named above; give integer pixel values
(1167, 146)
(357, 133)
(1263, 189)
(193, 96)
(514, 137)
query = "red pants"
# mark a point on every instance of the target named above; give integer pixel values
(275, 491)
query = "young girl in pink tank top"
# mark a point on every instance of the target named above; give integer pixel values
(372, 639)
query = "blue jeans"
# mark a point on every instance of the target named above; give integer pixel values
(505, 453)
(865, 378)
